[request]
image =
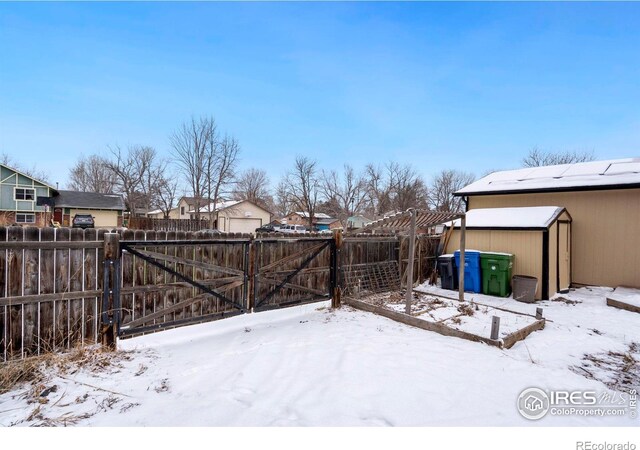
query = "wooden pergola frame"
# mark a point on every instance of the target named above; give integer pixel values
(411, 219)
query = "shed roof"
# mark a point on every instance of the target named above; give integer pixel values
(592, 175)
(534, 217)
(89, 200)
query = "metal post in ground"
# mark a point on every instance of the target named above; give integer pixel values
(336, 245)
(463, 229)
(412, 244)
(111, 290)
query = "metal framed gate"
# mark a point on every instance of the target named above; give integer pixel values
(289, 272)
(189, 285)
(152, 285)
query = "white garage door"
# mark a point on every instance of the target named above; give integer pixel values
(104, 219)
(244, 225)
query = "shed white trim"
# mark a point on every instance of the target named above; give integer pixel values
(523, 217)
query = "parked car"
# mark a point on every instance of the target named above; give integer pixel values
(83, 221)
(293, 229)
(209, 231)
(267, 229)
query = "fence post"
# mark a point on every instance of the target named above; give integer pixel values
(111, 290)
(249, 274)
(336, 245)
(409, 271)
(495, 327)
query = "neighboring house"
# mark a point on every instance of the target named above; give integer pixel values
(327, 224)
(302, 218)
(107, 209)
(237, 216)
(187, 206)
(603, 199)
(174, 213)
(19, 194)
(357, 222)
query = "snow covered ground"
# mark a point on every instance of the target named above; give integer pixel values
(313, 366)
(468, 317)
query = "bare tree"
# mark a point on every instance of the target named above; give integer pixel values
(409, 188)
(136, 171)
(190, 143)
(283, 202)
(220, 166)
(167, 194)
(301, 187)
(253, 185)
(92, 174)
(378, 190)
(394, 187)
(344, 194)
(537, 157)
(443, 186)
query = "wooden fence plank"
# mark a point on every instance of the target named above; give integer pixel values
(188, 261)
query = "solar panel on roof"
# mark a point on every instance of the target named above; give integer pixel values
(629, 167)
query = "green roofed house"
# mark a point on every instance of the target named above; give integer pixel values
(23, 199)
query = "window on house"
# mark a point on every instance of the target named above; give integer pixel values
(182, 210)
(25, 194)
(25, 218)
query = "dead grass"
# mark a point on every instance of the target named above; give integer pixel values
(15, 373)
(466, 309)
(33, 380)
(619, 371)
(565, 300)
(34, 370)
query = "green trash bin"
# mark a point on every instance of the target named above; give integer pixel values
(496, 273)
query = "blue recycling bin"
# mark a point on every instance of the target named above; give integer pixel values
(472, 274)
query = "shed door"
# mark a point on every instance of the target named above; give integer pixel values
(564, 255)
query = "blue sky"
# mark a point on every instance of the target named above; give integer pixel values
(471, 86)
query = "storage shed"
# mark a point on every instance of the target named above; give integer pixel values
(603, 198)
(539, 237)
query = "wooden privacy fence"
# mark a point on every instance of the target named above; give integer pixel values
(50, 281)
(64, 287)
(148, 223)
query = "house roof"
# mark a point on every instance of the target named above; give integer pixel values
(593, 175)
(315, 215)
(161, 211)
(536, 217)
(29, 176)
(327, 221)
(89, 200)
(211, 207)
(226, 204)
(191, 201)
